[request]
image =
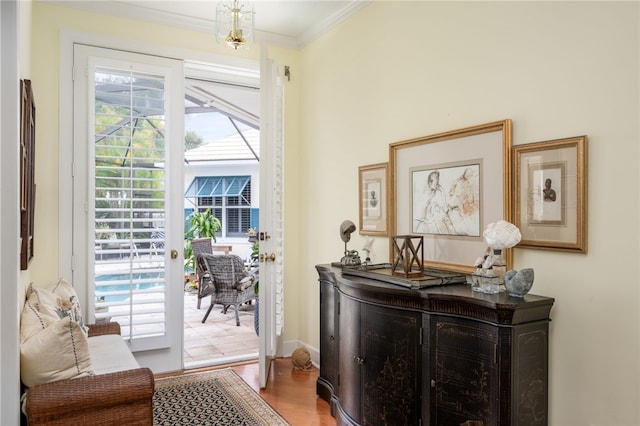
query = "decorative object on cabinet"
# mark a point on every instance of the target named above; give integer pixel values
(490, 269)
(518, 283)
(397, 357)
(408, 258)
(367, 249)
(27, 172)
(373, 199)
(351, 257)
(451, 199)
(384, 272)
(550, 188)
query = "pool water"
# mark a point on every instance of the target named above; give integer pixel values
(119, 287)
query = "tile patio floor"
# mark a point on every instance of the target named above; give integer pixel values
(219, 340)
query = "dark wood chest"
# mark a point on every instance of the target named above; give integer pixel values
(439, 356)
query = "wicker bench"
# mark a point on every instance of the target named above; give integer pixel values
(112, 398)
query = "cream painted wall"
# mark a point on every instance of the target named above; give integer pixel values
(557, 70)
(25, 73)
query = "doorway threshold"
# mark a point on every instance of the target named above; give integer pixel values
(221, 361)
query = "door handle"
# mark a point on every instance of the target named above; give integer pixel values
(264, 257)
(174, 254)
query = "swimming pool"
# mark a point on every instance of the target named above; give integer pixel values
(111, 288)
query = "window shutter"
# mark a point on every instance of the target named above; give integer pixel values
(129, 202)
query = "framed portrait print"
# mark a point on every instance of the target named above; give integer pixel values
(550, 188)
(373, 199)
(448, 187)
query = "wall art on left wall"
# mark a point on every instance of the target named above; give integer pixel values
(27, 172)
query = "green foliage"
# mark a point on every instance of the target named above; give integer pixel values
(189, 259)
(119, 144)
(255, 254)
(203, 224)
(192, 140)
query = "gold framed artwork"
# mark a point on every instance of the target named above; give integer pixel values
(448, 187)
(550, 188)
(373, 199)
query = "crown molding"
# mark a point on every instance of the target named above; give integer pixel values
(141, 13)
(322, 27)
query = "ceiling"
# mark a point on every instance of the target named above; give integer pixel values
(288, 23)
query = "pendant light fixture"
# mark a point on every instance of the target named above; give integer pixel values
(234, 24)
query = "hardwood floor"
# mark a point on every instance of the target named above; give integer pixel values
(291, 392)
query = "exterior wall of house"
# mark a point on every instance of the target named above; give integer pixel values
(241, 246)
(557, 69)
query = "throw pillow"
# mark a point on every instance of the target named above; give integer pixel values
(43, 307)
(38, 312)
(67, 303)
(58, 352)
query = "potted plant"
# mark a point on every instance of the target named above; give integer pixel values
(202, 225)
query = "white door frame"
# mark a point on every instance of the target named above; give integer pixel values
(67, 40)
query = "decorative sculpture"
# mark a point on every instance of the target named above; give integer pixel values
(491, 268)
(351, 257)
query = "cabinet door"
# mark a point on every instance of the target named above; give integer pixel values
(530, 371)
(329, 351)
(349, 355)
(390, 365)
(464, 372)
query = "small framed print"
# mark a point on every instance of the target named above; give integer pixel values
(550, 187)
(373, 199)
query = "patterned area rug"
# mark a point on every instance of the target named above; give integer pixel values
(217, 397)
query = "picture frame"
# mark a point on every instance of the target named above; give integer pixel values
(27, 173)
(468, 203)
(373, 199)
(550, 187)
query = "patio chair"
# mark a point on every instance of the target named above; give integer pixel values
(205, 287)
(157, 242)
(232, 284)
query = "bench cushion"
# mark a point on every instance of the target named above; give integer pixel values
(109, 353)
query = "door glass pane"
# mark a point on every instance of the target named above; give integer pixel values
(129, 201)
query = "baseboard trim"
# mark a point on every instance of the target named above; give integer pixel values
(289, 346)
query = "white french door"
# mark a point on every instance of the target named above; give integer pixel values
(127, 197)
(271, 214)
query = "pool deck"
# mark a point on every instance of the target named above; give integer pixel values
(219, 340)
